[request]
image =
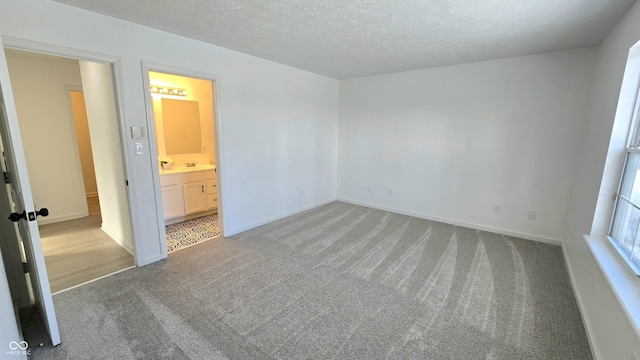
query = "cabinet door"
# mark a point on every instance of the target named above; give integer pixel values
(195, 198)
(172, 201)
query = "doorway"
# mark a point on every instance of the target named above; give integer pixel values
(68, 142)
(183, 117)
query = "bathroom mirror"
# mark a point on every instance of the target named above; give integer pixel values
(181, 123)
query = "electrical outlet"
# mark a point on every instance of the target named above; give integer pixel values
(369, 188)
(389, 192)
(531, 215)
(496, 209)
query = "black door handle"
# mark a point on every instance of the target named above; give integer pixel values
(15, 217)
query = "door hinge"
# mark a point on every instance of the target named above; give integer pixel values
(126, 182)
(6, 177)
(25, 267)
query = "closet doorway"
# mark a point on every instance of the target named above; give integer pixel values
(66, 109)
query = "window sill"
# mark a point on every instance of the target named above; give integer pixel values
(631, 265)
(622, 279)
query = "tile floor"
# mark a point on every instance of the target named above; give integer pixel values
(190, 232)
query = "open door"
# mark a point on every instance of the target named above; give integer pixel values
(10, 247)
(24, 214)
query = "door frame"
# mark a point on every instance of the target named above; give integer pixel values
(117, 74)
(153, 148)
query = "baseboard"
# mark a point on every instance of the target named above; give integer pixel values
(275, 218)
(544, 239)
(149, 260)
(120, 241)
(59, 218)
(92, 194)
(595, 351)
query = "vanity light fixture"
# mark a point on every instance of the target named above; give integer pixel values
(163, 90)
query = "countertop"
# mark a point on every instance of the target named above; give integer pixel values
(184, 169)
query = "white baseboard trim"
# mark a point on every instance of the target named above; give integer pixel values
(544, 239)
(120, 241)
(595, 351)
(275, 218)
(149, 260)
(59, 218)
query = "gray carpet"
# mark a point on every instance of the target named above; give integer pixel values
(336, 282)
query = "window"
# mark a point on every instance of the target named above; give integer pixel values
(625, 225)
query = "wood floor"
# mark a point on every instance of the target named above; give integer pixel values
(77, 251)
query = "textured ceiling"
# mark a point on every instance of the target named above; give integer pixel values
(351, 38)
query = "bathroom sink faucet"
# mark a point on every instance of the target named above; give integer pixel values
(191, 164)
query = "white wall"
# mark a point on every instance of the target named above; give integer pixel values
(48, 133)
(102, 116)
(595, 180)
(453, 141)
(84, 143)
(279, 124)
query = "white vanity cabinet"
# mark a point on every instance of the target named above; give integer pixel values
(172, 196)
(195, 196)
(212, 190)
(188, 193)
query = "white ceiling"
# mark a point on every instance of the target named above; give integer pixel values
(352, 38)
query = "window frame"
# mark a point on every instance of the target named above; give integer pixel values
(632, 147)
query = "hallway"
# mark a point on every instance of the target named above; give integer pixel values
(77, 251)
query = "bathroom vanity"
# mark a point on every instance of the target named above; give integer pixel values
(188, 192)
